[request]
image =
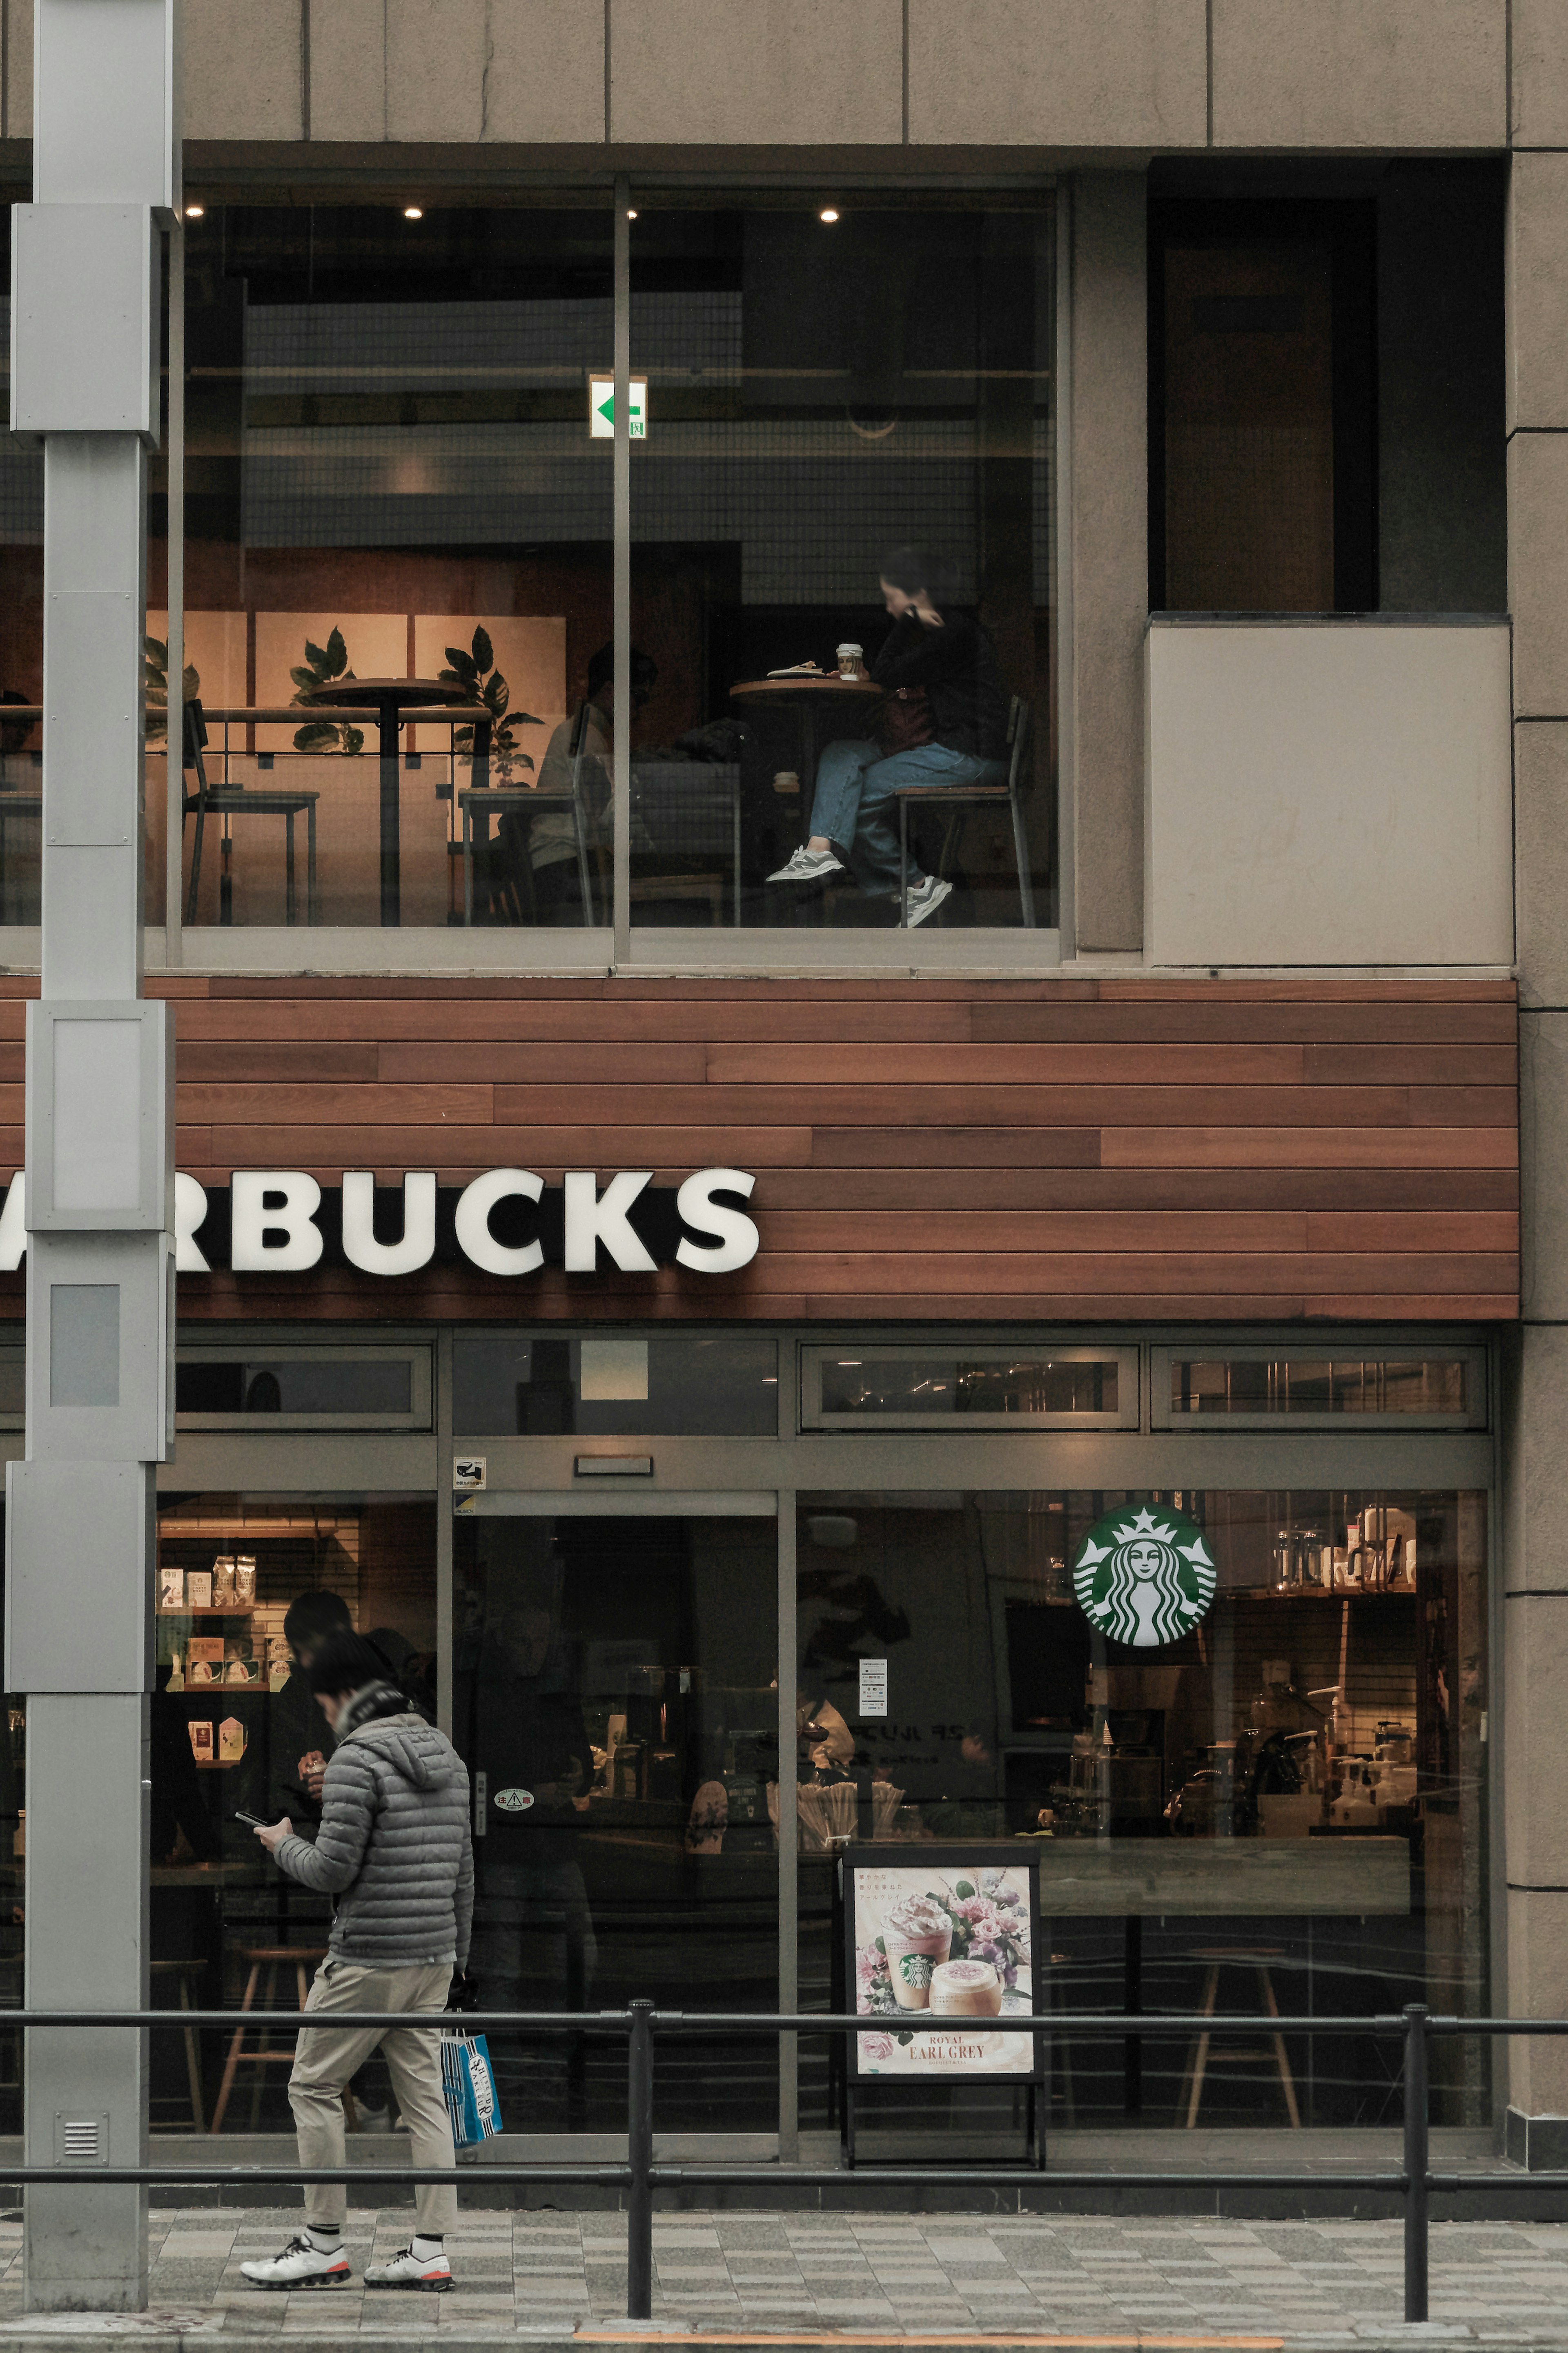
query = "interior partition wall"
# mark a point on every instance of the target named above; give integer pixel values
(640, 1576)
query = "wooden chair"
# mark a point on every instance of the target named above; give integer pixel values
(961, 798)
(267, 1959)
(1201, 2058)
(182, 1973)
(226, 801)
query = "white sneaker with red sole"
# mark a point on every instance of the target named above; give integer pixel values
(299, 2265)
(407, 2269)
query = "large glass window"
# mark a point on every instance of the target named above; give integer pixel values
(840, 564)
(394, 507)
(1267, 1786)
(399, 522)
(546, 1384)
(616, 1699)
(235, 1726)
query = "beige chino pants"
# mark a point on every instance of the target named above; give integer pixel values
(325, 2060)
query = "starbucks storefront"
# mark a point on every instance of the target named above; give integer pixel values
(1200, 1631)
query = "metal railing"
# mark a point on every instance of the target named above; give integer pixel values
(640, 2175)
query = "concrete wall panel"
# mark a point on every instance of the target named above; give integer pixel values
(546, 73)
(1293, 771)
(1543, 1164)
(348, 69)
(787, 72)
(243, 70)
(1076, 73)
(16, 107)
(1538, 1971)
(1536, 1800)
(1541, 860)
(1537, 271)
(1538, 572)
(438, 57)
(1109, 529)
(1540, 73)
(1339, 73)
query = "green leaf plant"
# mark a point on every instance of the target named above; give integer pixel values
(321, 666)
(476, 674)
(155, 683)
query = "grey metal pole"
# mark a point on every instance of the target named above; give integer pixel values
(1417, 2161)
(639, 2138)
(175, 783)
(621, 631)
(80, 1545)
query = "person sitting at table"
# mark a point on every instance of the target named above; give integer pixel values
(551, 836)
(937, 649)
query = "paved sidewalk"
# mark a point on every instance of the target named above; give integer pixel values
(547, 2275)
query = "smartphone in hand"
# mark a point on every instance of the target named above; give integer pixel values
(251, 1821)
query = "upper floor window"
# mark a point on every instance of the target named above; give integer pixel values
(1326, 398)
(398, 630)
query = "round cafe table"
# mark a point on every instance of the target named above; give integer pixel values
(822, 706)
(388, 698)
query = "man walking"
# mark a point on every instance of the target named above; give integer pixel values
(393, 1849)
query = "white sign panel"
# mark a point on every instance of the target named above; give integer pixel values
(602, 408)
(873, 1687)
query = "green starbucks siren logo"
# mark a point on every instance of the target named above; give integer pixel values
(1143, 1577)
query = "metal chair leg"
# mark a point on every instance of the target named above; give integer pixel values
(311, 863)
(903, 862)
(236, 2046)
(195, 863)
(1021, 852)
(584, 882)
(289, 906)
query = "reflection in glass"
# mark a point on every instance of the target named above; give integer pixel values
(397, 482)
(545, 1386)
(1297, 1784)
(1271, 1385)
(245, 1585)
(905, 1381)
(617, 1701)
(836, 396)
(296, 1385)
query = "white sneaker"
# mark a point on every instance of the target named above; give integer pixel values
(808, 866)
(923, 899)
(299, 2265)
(408, 2270)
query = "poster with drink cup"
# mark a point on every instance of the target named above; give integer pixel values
(941, 1953)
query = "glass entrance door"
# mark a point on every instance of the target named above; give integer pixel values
(616, 1696)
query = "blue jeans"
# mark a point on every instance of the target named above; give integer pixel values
(853, 804)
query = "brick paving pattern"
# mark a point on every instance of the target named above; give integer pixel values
(545, 2274)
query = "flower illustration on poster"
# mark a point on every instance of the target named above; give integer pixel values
(1144, 1576)
(941, 1957)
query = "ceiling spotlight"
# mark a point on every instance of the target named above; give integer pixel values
(829, 213)
(413, 212)
(196, 212)
(631, 212)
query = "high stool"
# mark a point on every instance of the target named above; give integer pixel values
(182, 1973)
(270, 1959)
(1242, 1957)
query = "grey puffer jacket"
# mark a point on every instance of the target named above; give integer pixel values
(394, 1845)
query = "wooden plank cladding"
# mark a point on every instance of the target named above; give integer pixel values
(1052, 1151)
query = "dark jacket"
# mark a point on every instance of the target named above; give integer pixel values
(394, 1845)
(955, 668)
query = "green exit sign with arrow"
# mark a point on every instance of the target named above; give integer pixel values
(602, 408)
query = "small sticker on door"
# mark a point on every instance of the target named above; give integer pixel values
(468, 1474)
(514, 1801)
(873, 1687)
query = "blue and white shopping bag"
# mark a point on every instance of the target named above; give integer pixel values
(468, 2086)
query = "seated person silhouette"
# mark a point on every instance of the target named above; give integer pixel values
(937, 649)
